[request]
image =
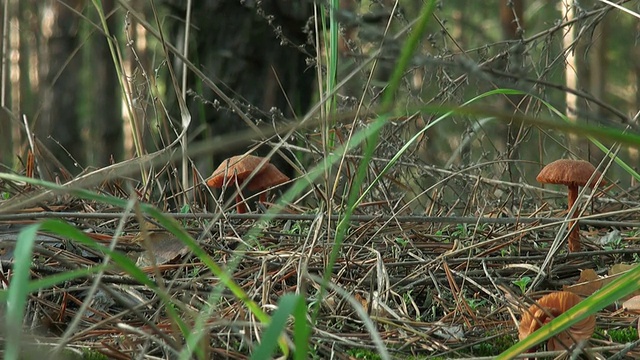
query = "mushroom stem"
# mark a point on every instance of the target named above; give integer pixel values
(241, 208)
(574, 231)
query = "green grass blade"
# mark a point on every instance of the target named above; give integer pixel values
(169, 224)
(127, 265)
(372, 137)
(301, 329)
(18, 292)
(53, 280)
(406, 54)
(286, 306)
(332, 66)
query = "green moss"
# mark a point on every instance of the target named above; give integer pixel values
(623, 335)
(494, 346)
(68, 354)
(363, 354)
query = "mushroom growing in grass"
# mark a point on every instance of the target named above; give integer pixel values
(269, 177)
(236, 169)
(573, 174)
(549, 307)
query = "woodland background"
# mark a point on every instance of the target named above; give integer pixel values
(59, 78)
(413, 224)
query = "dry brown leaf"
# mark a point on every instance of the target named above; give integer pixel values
(161, 248)
(588, 275)
(362, 300)
(588, 283)
(632, 305)
(620, 268)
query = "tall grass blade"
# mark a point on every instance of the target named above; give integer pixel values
(287, 306)
(19, 290)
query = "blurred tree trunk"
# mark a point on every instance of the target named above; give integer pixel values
(577, 73)
(104, 119)
(512, 24)
(256, 52)
(58, 125)
(634, 153)
(26, 87)
(6, 141)
(570, 73)
(585, 69)
(16, 34)
(595, 68)
(137, 60)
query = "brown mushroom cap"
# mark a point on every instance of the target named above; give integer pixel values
(240, 166)
(550, 306)
(267, 178)
(569, 172)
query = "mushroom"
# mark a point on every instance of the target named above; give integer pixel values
(549, 307)
(237, 169)
(269, 177)
(573, 173)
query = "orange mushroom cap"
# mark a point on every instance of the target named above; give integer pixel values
(569, 172)
(267, 178)
(550, 306)
(239, 167)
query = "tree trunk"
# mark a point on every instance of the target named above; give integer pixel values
(58, 125)
(257, 52)
(512, 24)
(105, 118)
(6, 141)
(596, 68)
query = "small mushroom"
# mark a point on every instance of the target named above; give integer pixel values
(237, 169)
(549, 307)
(573, 173)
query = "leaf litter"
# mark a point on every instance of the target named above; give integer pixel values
(433, 288)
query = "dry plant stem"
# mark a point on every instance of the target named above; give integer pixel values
(574, 234)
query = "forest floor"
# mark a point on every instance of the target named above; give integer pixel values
(435, 286)
(424, 124)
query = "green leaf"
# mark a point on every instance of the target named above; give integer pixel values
(19, 290)
(286, 306)
(301, 330)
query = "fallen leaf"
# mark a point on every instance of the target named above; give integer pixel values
(620, 268)
(609, 238)
(632, 305)
(161, 248)
(588, 283)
